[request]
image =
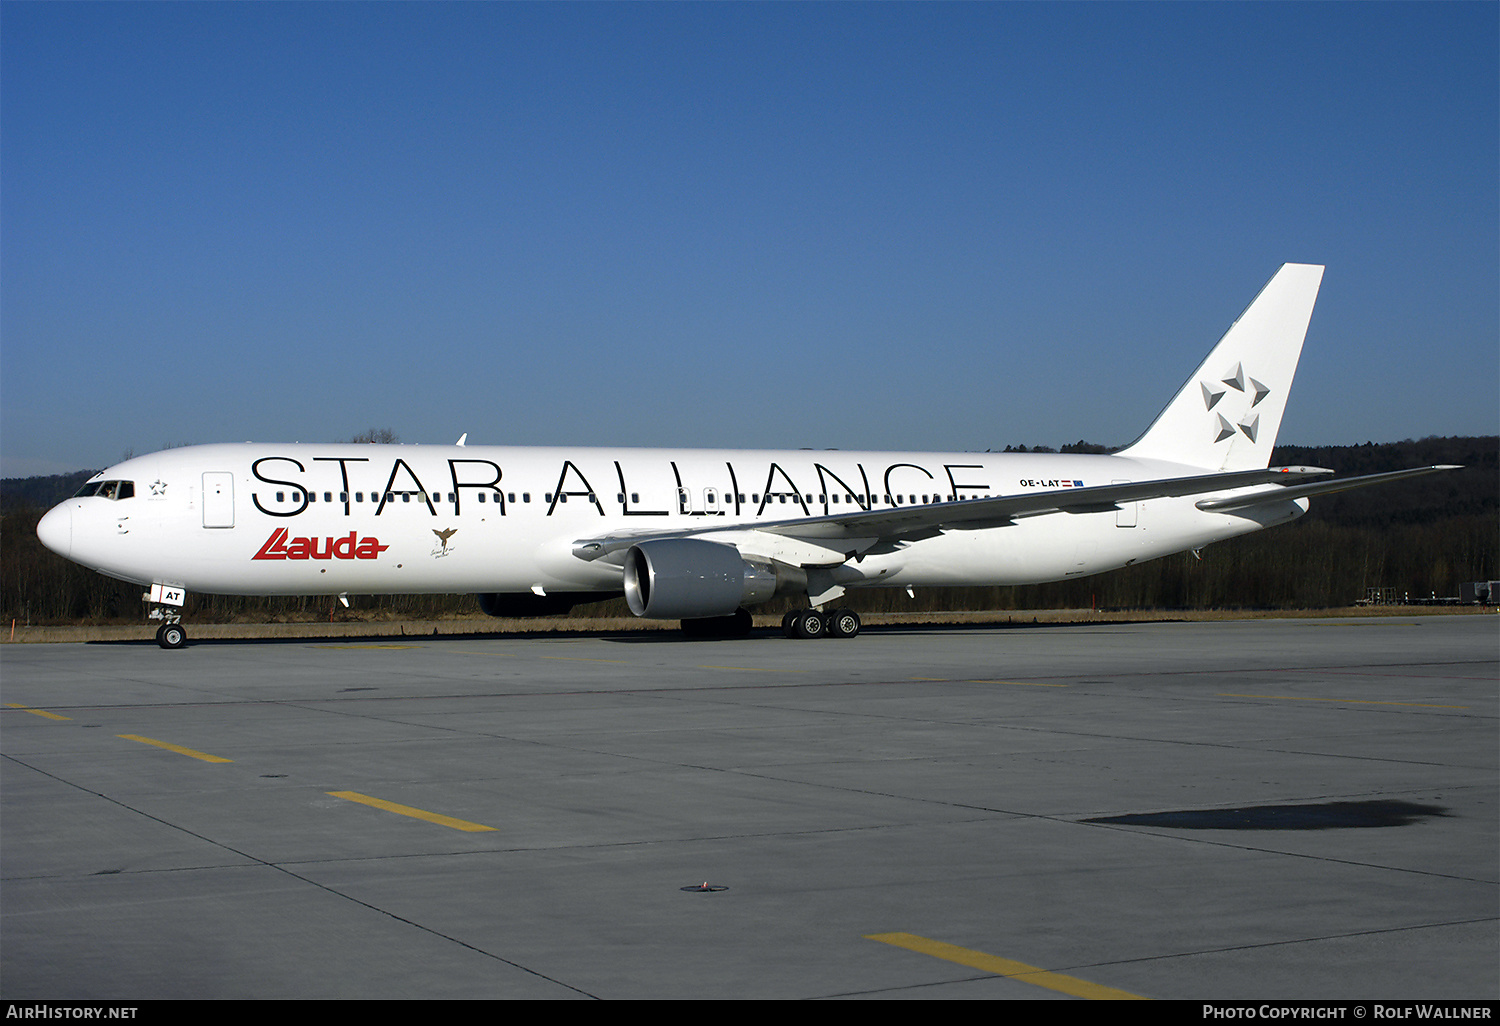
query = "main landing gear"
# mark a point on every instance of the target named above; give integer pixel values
(800, 623)
(809, 623)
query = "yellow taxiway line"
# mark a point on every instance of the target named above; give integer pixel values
(190, 753)
(407, 810)
(36, 712)
(1005, 967)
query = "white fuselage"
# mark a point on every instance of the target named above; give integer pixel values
(293, 519)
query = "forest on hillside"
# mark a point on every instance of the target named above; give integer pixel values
(1417, 538)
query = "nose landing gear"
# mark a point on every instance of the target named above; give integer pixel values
(166, 605)
(171, 635)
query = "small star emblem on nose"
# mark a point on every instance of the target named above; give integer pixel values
(158, 487)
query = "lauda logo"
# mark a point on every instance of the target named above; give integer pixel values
(351, 546)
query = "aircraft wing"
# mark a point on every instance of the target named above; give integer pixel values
(861, 530)
(1297, 491)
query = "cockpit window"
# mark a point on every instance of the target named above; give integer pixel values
(107, 490)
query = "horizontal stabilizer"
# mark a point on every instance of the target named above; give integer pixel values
(1300, 491)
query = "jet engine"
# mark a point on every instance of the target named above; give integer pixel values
(687, 578)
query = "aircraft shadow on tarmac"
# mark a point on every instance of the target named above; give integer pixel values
(1325, 816)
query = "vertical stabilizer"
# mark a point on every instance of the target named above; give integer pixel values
(1227, 415)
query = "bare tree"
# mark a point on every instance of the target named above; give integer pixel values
(377, 436)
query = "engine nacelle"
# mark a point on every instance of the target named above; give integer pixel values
(687, 578)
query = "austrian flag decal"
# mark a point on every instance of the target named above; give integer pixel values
(351, 546)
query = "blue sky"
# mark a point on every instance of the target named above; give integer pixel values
(923, 226)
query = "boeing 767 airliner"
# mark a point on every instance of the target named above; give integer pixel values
(700, 535)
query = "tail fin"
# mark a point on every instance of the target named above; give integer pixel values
(1227, 415)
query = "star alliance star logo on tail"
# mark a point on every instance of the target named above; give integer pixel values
(1240, 382)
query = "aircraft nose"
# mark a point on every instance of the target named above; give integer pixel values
(55, 529)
